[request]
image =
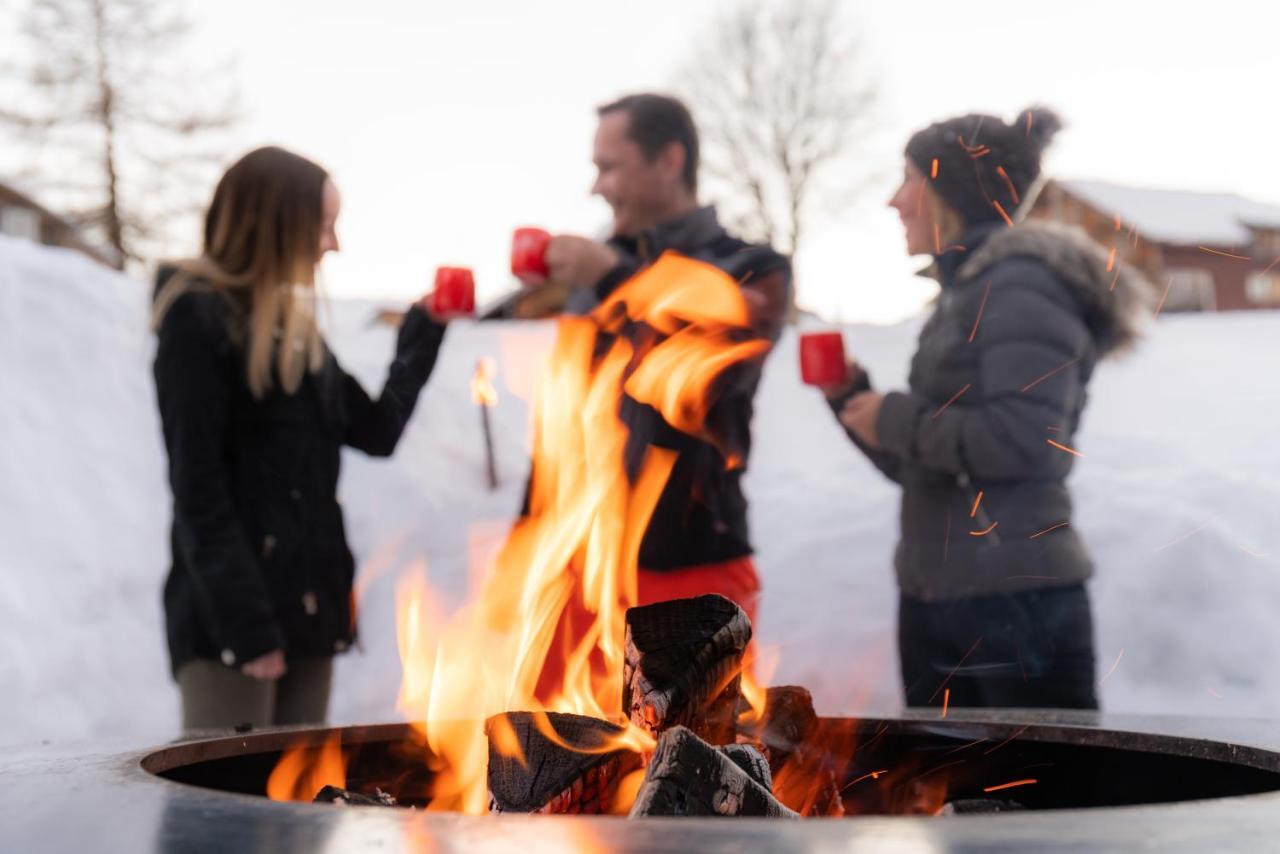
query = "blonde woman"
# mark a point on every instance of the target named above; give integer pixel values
(993, 608)
(255, 409)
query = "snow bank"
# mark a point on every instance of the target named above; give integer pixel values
(1177, 497)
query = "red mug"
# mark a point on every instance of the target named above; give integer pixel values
(454, 294)
(529, 255)
(822, 361)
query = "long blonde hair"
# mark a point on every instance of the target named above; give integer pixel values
(262, 236)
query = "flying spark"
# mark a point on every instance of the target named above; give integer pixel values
(1164, 296)
(981, 308)
(874, 775)
(1026, 388)
(1064, 448)
(1007, 740)
(984, 532)
(954, 669)
(953, 399)
(1224, 254)
(1113, 667)
(1206, 523)
(1048, 529)
(1008, 183)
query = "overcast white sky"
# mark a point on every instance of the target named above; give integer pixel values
(448, 124)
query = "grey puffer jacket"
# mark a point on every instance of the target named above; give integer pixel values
(997, 388)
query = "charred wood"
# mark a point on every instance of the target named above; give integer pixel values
(683, 665)
(689, 777)
(547, 776)
(344, 797)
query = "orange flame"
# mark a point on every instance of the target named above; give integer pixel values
(546, 629)
(482, 390)
(305, 769)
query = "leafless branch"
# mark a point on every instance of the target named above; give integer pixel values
(101, 104)
(783, 102)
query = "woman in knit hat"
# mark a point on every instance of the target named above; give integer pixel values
(991, 572)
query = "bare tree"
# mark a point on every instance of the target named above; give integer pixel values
(114, 129)
(782, 104)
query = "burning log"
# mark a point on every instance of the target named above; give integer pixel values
(689, 777)
(549, 762)
(345, 797)
(751, 760)
(683, 666)
(804, 776)
(788, 722)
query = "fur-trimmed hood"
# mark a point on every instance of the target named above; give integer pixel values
(1116, 302)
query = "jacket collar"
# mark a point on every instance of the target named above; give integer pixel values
(947, 265)
(685, 233)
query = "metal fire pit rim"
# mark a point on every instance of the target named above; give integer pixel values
(128, 809)
(220, 744)
(1087, 730)
(1090, 727)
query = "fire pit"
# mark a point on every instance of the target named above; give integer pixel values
(696, 746)
(1114, 784)
(1071, 767)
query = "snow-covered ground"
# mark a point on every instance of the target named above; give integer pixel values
(1178, 496)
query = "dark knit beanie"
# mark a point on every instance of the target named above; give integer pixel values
(980, 166)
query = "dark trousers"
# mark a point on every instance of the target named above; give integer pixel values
(218, 697)
(1032, 649)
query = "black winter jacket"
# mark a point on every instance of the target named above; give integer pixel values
(260, 557)
(997, 388)
(701, 516)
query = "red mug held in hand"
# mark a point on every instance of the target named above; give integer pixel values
(822, 361)
(529, 255)
(454, 294)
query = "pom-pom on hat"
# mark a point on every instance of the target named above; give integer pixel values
(980, 166)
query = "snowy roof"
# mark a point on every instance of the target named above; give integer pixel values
(1179, 216)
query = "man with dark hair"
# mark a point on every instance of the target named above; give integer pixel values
(646, 157)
